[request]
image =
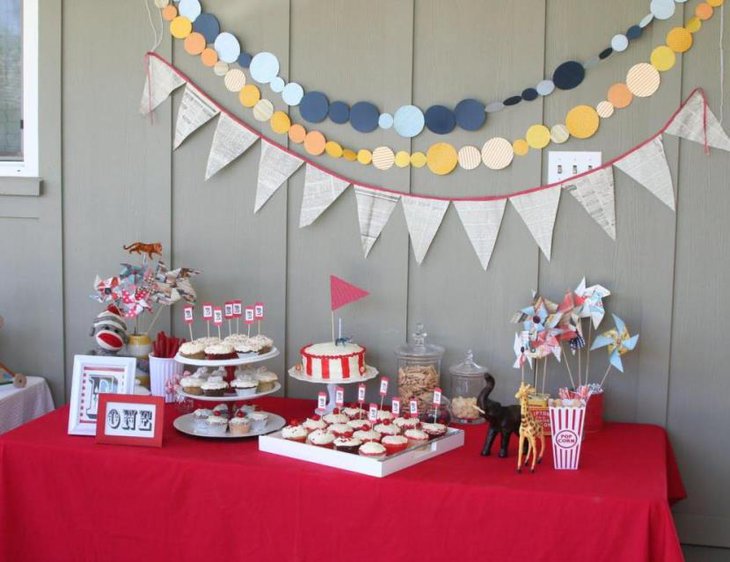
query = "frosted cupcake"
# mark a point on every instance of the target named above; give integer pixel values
(416, 437)
(372, 450)
(347, 444)
(239, 425)
(312, 424)
(266, 380)
(394, 444)
(260, 344)
(242, 347)
(192, 384)
(387, 428)
(321, 438)
(192, 350)
(216, 425)
(258, 420)
(354, 412)
(220, 352)
(295, 433)
(199, 417)
(340, 430)
(407, 423)
(434, 430)
(244, 387)
(385, 415)
(222, 410)
(214, 386)
(367, 436)
(358, 425)
(335, 418)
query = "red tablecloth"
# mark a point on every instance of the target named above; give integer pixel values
(66, 498)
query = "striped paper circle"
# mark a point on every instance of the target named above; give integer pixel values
(383, 158)
(469, 157)
(497, 153)
(643, 80)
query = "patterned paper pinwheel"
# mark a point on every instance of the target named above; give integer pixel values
(170, 286)
(592, 301)
(547, 343)
(522, 350)
(618, 341)
(107, 290)
(136, 274)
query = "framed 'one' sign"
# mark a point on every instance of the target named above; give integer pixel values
(130, 420)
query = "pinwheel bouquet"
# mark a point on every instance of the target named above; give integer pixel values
(548, 328)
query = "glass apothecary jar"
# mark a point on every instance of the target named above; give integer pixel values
(419, 369)
(467, 381)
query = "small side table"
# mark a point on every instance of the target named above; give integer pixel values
(20, 405)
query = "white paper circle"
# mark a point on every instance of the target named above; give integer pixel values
(189, 8)
(235, 80)
(292, 93)
(227, 47)
(220, 68)
(545, 87)
(646, 20)
(277, 85)
(263, 110)
(662, 9)
(264, 67)
(161, 3)
(408, 121)
(385, 121)
(619, 43)
(494, 107)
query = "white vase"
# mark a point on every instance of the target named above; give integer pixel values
(163, 371)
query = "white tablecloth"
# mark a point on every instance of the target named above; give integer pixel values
(20, 405)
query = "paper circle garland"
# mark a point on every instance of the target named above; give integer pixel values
(264, 67)
(402, 159)
(385, 121)
(619, 43)
(441, 158)
(339, 112)
(263, 110)
(297, 133)
(470, 114)
(314, 143)
(620, 96)
(180, 27)
(244, 60)
(559, 133)
(469, 157)
(663, 58)
(364, 116)
(250, 95)
(314, 107)
(194, 43)
(545, 87)
(364, 156)
(169, 13)
(521, 147)
(292, 94)
(280, 122)
(643, 80)
(209, 57)
(207, 25)
(440, 119)
(161, 3)
(582, 121)
(408, 121)
(227, 47)
(605, 109)
(569, 75)
(704, 11)
(349, 155)
(220, 68)
(494, 107)
(679, 40)
(189, 8)
(383, 158)
(333, 149)
(277, 84)
(497, 153)
(538, 136)
(418, 159)
(662, 9)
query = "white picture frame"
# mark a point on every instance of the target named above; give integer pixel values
(94, 375)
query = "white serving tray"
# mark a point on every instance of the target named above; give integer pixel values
(242, 359)
(229, 397)
(276, 444)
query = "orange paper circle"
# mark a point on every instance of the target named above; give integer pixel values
(383, 158)
(441, 158)
(333, 149)
(349, 155)
(364, 156)
(604, 109)
(704, 11)
(663, 58)
(538, 137)
(249, 95)
(418, 159)
(209, 57)
(169, 13)
(280, 122)
(402, 159)
(297, 133)
(314, 143)
(469, 157)
(194, 43)
(619, 95)
(582, 121)
(522, 147)
(679, 40)
(643, 80)
(180, 27)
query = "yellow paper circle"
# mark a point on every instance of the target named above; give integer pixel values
(280, 122)
(333, 149)
(538, 136)
(715, 3)
(704, 11)
(418, 159)
(297, 133)
(497, 153)
(441, 158)
(209, 57)
(679, 40)
(220, 68)
(522, 147)
(249, 95)
(604, 109)
(349, 155)
(180, 27)
(314, 143)
(663, 58)
(383, 158)
(582, 121)
(469, 157)
(693, 25)
(643, 80)
(364, 156)
(402, 159)
(559, 133)
(263, 110)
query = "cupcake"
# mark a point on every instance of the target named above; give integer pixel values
(385, 415)
(202, 372)
(347, 444)
(407, 423)
(295, 433)
(207, 341)
(192, 350)
(354, 412)
(244, 387)
(358, 425)
(214, 386)
(245, 373)
(372, 450)
(367, 436)
(220, 351)
(266, 380)
(191, 384)
(239, 425)
(260, 344)
(314, 423)
(416, 437)
(394, 444)
(321, 438)
(258, 420)
(434, 430)
(387, 428)
(216, 425)
(242, 347)
(340, 430)
(222, 410)
(199, 417)
(234, 339)
(335, 418)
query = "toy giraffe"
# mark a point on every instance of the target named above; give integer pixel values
(530, 430)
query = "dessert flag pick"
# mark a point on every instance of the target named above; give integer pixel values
(373, 414)
(342, 293)
(395, 406)
(436, 403)
(188, 316)
(237, 313)
(258, 312)
(361, 396)
(321, 401)
(383, 389)
(228, 313)
(208, 314)
(218, 319)
(339, 396)
(619, 342)
(250, 314)
(413, 408)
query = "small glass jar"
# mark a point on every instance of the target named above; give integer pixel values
(467, 381)
(419, 369)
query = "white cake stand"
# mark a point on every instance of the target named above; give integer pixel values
(370, 373)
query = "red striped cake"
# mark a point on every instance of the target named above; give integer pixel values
(332, 363)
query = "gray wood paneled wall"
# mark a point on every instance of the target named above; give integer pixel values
(121, 182)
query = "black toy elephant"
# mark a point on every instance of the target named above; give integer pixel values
(501, 419)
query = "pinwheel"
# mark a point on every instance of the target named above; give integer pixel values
(107, 290)
(592, 306)
(548, 343)
(522, 351)
(618, 342)
(136, 274)
(170, 286)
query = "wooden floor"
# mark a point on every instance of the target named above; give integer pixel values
(705, 554)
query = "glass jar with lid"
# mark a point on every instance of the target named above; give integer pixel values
(419, 369)
(467, 381)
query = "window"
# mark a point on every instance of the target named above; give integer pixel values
(19, 88)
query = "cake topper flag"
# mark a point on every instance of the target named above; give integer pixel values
(342, 293)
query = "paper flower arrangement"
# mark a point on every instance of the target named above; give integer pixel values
(547, 327)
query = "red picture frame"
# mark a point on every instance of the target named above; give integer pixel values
(141, 425)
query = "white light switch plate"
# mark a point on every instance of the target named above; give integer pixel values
(563, 165)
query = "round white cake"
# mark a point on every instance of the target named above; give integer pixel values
(330, 362)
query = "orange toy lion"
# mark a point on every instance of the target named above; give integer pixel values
(143, 248)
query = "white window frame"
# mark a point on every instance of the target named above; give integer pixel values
(28, 166)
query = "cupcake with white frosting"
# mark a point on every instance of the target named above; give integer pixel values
(217, 425)
(192, 350)
(372, 450)
(244, 387)
(214, 386)
(321, 438)
(220, 351)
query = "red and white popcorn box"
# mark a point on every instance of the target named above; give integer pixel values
(567, 424)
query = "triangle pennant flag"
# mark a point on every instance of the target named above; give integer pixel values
(695, 120)
(595, 192)
(320, 191)
(481, 220)
(161, 81)
(423, 218)
(195, 111)
(230, 140)
(342, 293)
(538, 210)
(275, 167)
(648, 166)
(373, 212)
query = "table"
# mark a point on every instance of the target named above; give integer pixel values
(20, 405)
(66, 498)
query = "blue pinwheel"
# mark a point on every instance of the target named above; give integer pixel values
(618, 341)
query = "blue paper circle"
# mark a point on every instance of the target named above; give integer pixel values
(470, 114)
(314, 107)
(619, 42)
(190, 9)
(662, 9)
(545, 87)
(633, 32)
(494, 107)
(207, 25)
(264, 67)
(605, 53)
(512, 100)
(292, 94)
(227, 47)
(385, 121)
(408, 121)
(569, 75)
(364, 117)
(529, 94)
(339, 112)
(244, 60)
(277, 85)
(440, 119)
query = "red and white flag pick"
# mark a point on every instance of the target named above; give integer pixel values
(207, 314)
(189, 319)
(383, 386)
(395, 406)
(361, 392)
(248, 317)
(321, 400)
(373, 413)
(413, 408)
(339, 396)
